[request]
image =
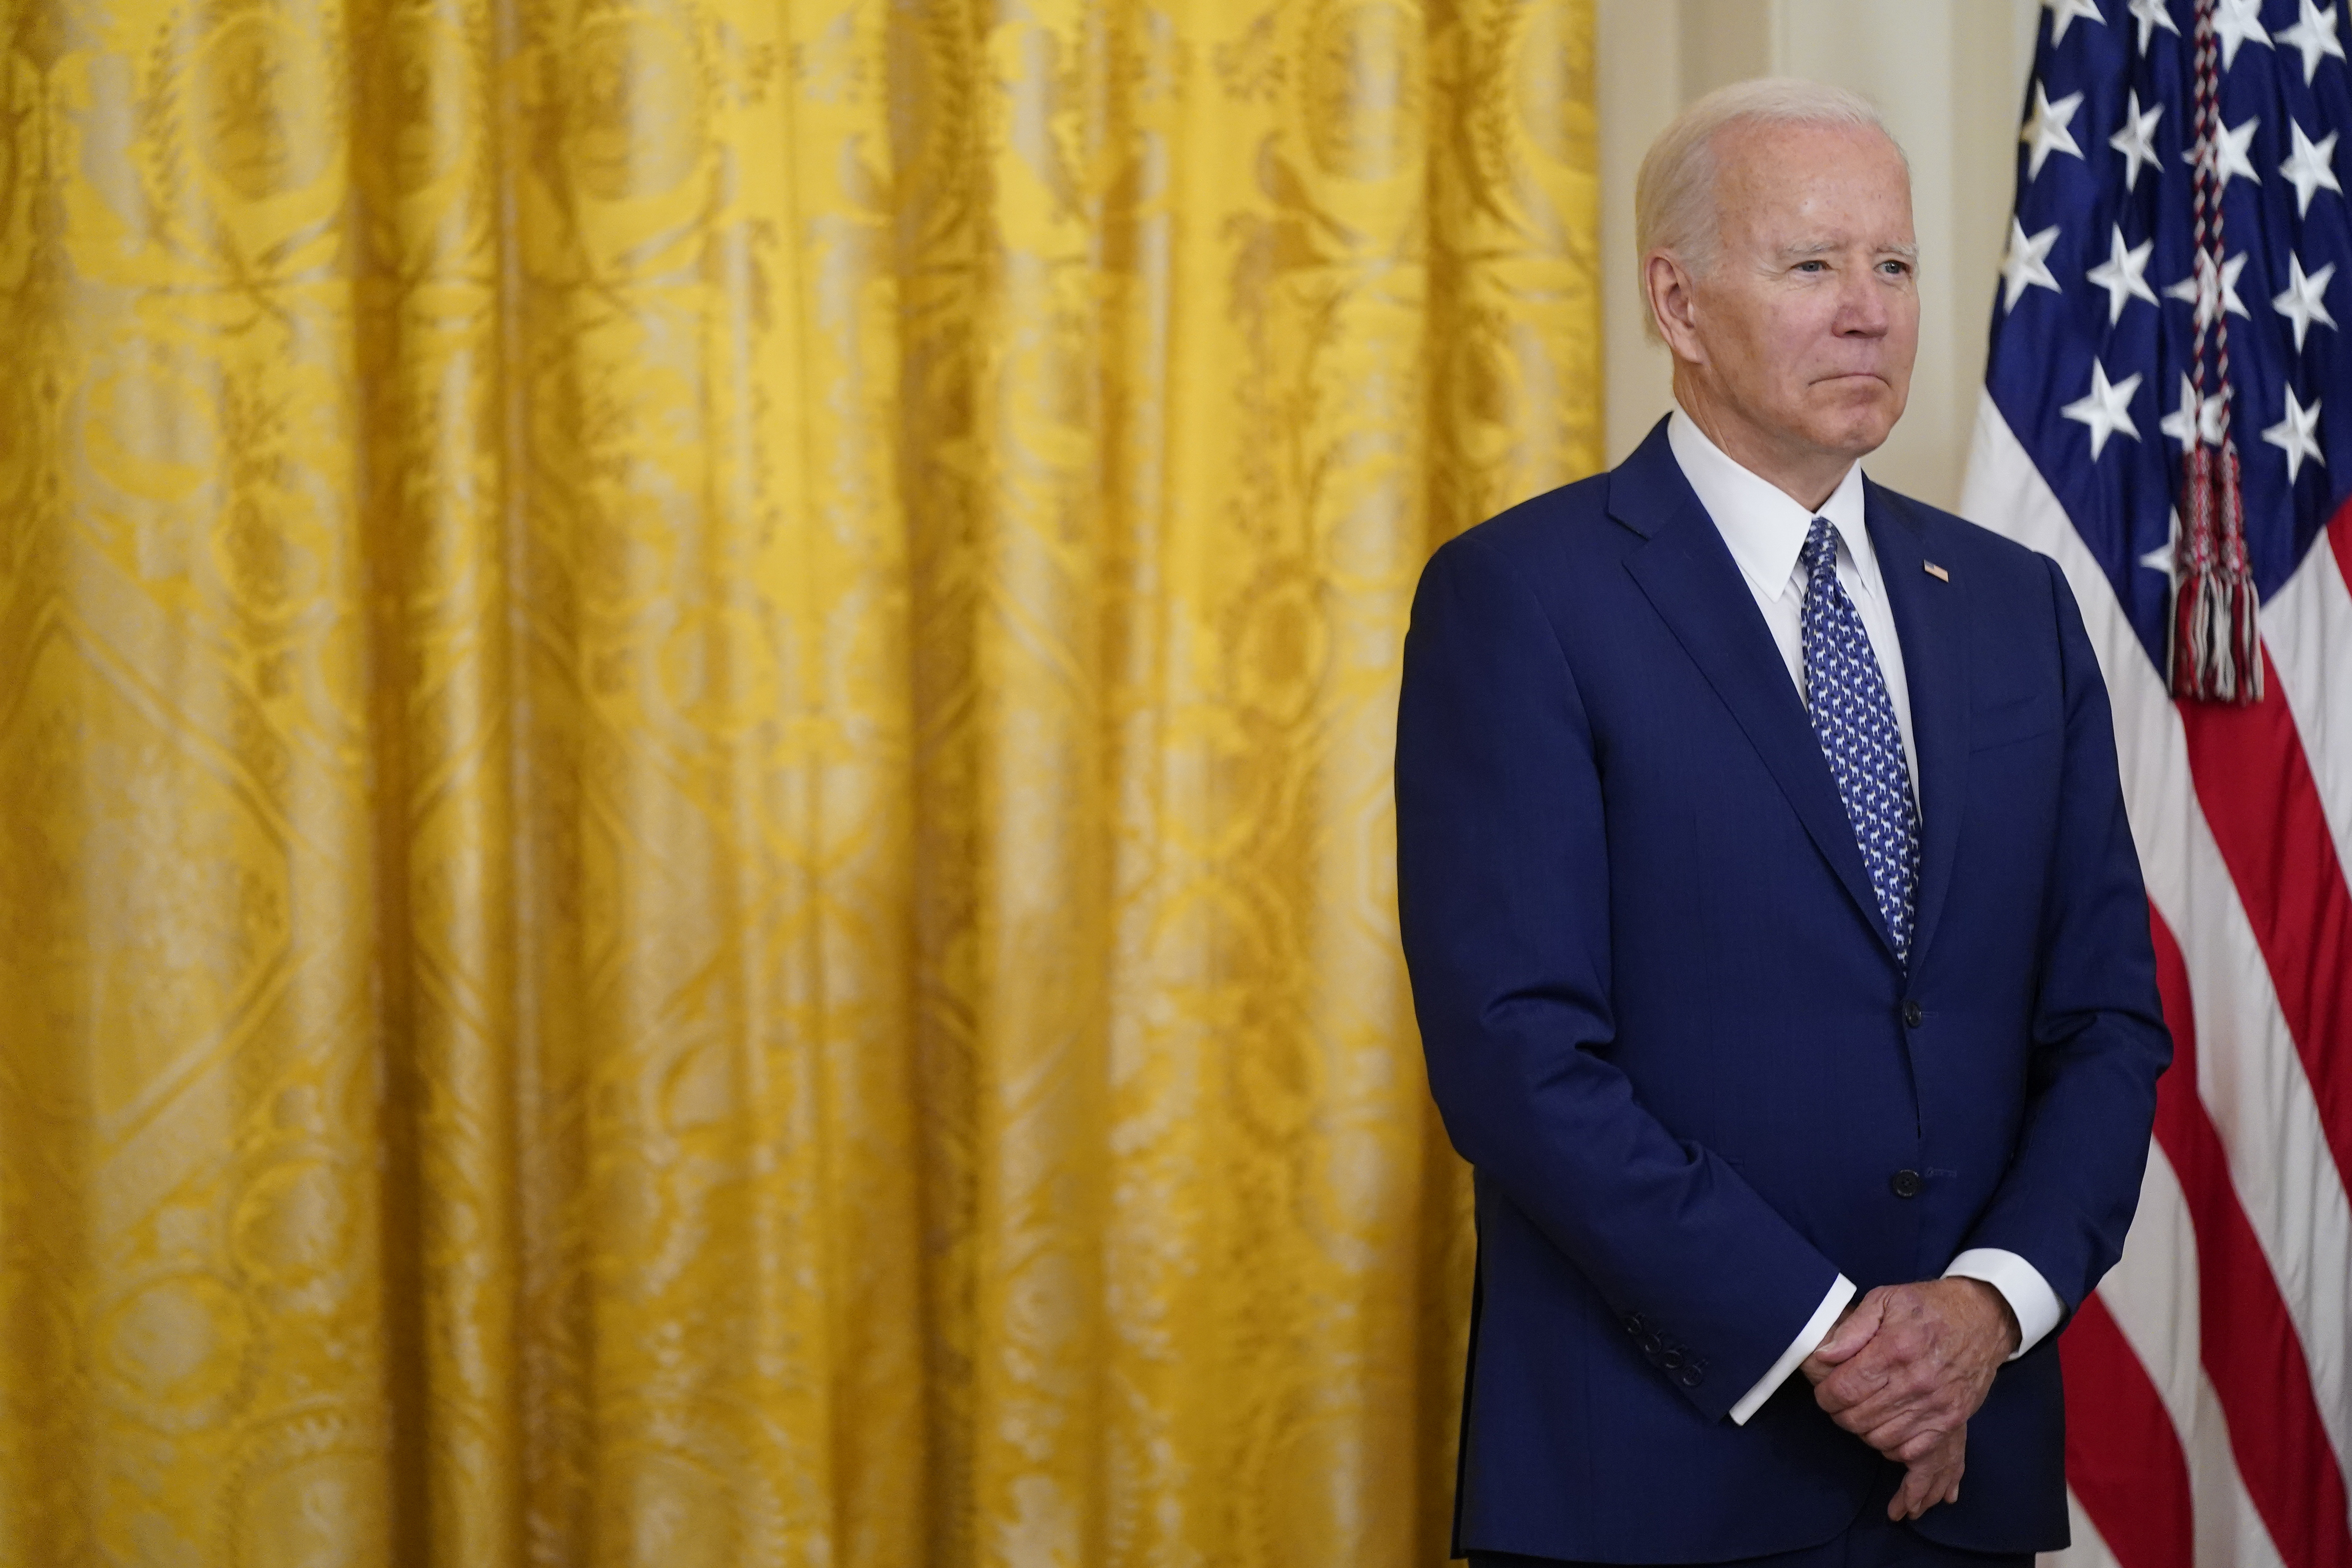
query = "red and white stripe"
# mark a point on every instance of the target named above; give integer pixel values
(2208, 1382)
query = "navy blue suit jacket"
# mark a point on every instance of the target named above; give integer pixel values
(1665, 1022)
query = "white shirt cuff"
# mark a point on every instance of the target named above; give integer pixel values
(2021, 1284)
(1809, 1338)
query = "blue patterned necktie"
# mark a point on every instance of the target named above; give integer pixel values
(1855, 722)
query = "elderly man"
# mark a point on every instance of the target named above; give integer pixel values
(1774, 931)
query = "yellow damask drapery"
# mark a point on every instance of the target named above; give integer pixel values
(694, 699)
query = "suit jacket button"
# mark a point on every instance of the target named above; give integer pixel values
(1913, 1013)
(1651, 1345)
(1634, 1323)
(1671, 1359)
(1906, 1184)
(1690, 1377)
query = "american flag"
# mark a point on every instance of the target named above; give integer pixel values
(2177, 281)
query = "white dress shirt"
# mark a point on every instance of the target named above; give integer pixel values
(1765, 529)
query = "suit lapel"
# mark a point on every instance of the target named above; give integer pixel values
(1687, 573)
(1928, 617)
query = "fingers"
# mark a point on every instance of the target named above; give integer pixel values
(1948, 1491)
(1865, 1398)
(1896, 1347)
(1860, 1378)
(1853, 1330)
(1908, 1496)
(1914, 1448)
(1872, 1388)
(1923, 1486)
(1889, 1425)
(1936, 1479)
(1909, 1434)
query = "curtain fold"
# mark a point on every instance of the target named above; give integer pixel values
(695, 709)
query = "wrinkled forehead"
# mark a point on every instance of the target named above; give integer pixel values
(1820, 185)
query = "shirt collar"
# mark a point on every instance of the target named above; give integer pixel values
(1763, 525)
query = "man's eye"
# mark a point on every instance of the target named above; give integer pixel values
(1812, 266)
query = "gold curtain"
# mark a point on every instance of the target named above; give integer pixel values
(695, 708)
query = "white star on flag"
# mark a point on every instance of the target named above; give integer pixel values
(2046, 131)
(2136, 139)
(2198, 290)
(2297, 435)
(2234, 22)
(2228, 154)
(2106, 408)
(2315, 34)
(2152, 15)
(2310, 168)
(2064, 12)
(2025, 265)
(2207, 417)
(2123, 274)
(2162, 557)
(2302, 303)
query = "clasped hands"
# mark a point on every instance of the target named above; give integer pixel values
(1904, 1370)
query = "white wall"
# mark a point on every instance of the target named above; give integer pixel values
(1949, 76)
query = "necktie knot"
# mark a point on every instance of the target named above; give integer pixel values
(1820, 553)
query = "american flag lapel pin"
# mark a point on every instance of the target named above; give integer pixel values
(1937, 572)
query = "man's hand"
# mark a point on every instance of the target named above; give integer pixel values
(1908, 1364)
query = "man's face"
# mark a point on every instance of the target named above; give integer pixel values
(1807, 324)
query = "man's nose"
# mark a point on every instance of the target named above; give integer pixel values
(1861, 304)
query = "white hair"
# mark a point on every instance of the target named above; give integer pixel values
(1673, 197)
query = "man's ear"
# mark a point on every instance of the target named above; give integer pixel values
(1673, 304)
